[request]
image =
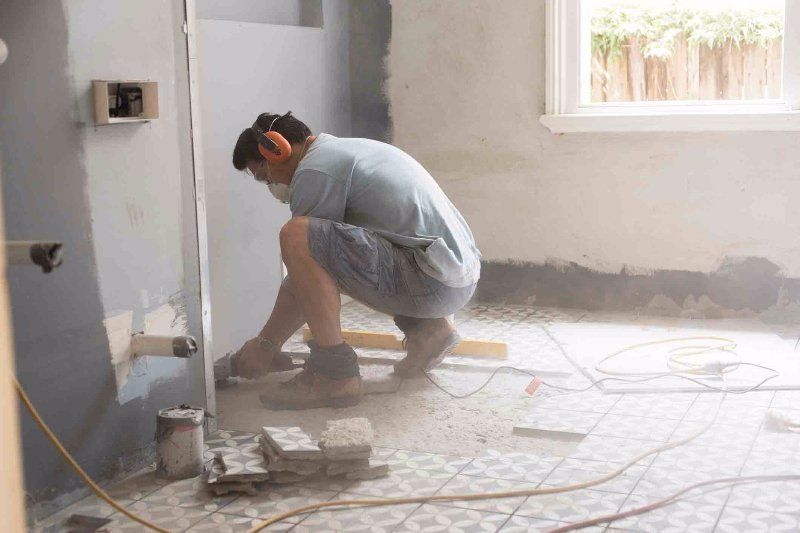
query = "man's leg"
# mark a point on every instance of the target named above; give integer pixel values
(315, 290)
(331, 377)
(286, 317)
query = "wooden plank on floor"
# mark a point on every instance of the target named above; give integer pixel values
(389, 341)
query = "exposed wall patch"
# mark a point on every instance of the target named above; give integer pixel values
(168, 319)
(119, 328)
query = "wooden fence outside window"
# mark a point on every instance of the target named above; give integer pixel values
(693, 72)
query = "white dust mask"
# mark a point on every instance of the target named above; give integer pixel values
(280, 191)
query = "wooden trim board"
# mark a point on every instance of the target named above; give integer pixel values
(389, 341)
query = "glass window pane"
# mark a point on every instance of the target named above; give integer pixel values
(683, 50)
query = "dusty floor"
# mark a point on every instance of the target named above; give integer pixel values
(418, 417)
(438, 445)
(421, 417)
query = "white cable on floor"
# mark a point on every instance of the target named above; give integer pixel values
(730, 481)
(718, 369)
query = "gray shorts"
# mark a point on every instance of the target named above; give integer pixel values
(379, 274)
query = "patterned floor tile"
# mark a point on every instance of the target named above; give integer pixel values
(778, 441)
(403, 460)
(549, 315)
(663, 482)
(718, 435)
(730, 413)
(484, 329)
(623, 483)
(91, 506)
(587, 402)
(663, 405)
(291, 443)
(381, 453)
(635, 427)
(402, 483)
(355, 315)
(715, 460)
(530, 348)
(526, 524)
(461, 484)
(489, 313)
(736, 520)
(227, 442)
(223, 523)
(571, 506)
(431, 518)
(556, 423)
(675, 518)
(758, 397)
(780, 497)
(322, 482)
(771, 461)
(786, 400)
(165, 516)
(190, 493)
(526, 467)
(372, 519)
(614, 449)
(277, 499)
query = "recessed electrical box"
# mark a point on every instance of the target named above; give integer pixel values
(118, 101)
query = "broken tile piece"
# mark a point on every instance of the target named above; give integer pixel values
(337, 468)
(292, 443)
(246, 464)
(276, 463)
(557, 424)
(285, 477)
(374, 469)
(349, 438)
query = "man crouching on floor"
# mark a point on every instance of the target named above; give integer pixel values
(367, 221)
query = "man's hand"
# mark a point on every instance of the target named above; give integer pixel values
(254, 358)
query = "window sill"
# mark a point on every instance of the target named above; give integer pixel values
(675, 122)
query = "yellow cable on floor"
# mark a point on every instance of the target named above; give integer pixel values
(63, 451)
(493, 495)
(382, 501)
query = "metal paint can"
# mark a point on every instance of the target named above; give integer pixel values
(179, 442)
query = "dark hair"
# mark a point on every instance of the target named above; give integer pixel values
(246, 148)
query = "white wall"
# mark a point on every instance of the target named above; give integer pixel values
(287, 12)
(246, 69)
(466, 89)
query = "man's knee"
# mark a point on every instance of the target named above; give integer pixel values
(294, 236)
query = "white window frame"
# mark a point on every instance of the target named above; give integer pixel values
(566, 114)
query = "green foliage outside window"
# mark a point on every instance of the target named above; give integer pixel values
(657, 27)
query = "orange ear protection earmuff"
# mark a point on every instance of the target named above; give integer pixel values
(272, 145)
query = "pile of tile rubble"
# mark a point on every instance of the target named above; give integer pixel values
(289, 455)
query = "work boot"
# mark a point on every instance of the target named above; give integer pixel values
(427, 342)
(331, 378)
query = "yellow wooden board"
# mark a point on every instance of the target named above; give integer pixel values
(389, 341)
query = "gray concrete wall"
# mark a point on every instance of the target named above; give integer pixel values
(370, 32)
(120, 198)
(467, 88)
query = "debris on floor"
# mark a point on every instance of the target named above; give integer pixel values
(78, 523)
(289, 455)
(350, 438)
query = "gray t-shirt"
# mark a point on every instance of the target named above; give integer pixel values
(378, 187)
